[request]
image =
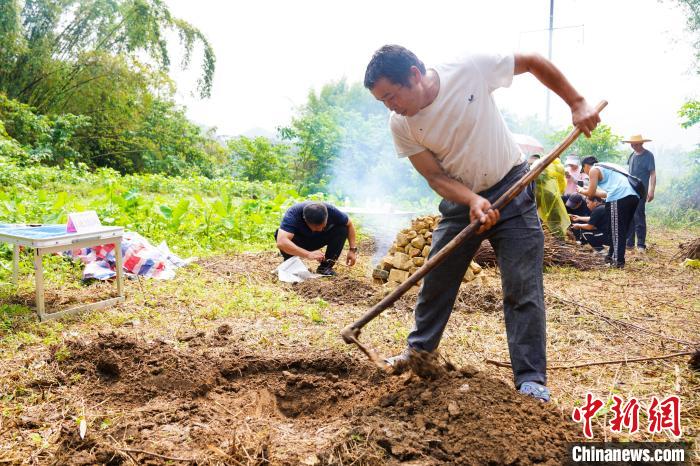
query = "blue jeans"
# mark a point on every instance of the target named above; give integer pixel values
(518, 242)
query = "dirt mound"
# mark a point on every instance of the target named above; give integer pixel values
(467, 418)
(135, 371)
(154, 402)
(339, 290)
(232, 267)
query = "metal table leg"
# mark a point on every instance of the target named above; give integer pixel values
(15, 264)
(39, 276)
(120, 268)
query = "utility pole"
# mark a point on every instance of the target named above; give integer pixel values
(549, 54)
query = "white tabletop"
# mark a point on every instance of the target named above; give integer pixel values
(53, 235)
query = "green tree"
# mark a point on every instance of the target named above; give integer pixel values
(686, 190)
(325, 127)
(343, 147)
(315, 135)
(52, 49)
(171, 144)
(106, 62)
(259, 159)
(31, 138)
(690, 112)
(603, 144)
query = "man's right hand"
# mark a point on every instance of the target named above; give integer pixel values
(479, 209)
(316, 256)
(585, 117)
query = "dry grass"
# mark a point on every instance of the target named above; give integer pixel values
(653, 293)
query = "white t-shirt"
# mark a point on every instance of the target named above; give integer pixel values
(462, 127)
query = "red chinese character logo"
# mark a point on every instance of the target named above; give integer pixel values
(665, 415)
(627, 416)
(585, 413)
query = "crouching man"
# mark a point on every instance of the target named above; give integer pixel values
(593, 229)
(309, 226)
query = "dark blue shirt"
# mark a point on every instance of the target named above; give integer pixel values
(293, 220)
(582, 209)
(601, 220)
(641, 166)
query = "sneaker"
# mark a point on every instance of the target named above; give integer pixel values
(535, 390)
(327, 271)
(400, 363)
(642, 249)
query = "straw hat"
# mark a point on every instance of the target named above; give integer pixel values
(637, 138)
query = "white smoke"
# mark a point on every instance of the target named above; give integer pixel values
(383, 193)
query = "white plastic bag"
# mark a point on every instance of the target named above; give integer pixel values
(293, 270)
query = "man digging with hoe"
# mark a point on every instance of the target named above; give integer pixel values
(446, 122)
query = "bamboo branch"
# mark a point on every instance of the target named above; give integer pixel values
(600, 363)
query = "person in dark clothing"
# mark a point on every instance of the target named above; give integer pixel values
(576, 205)
(594, 228)
(641, 164)
(309, 226)
(620, 203)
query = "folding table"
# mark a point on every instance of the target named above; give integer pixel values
(48, 239)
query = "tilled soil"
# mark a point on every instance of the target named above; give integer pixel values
(232, 267)
(339, 290)
(208, 401)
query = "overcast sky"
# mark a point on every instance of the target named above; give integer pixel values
(634, 53)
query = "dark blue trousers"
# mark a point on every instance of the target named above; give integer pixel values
(518, 242)
(333, 240)
(639, 228)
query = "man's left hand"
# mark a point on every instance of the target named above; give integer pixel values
(650, 197)
(584, 117)
(351, 258)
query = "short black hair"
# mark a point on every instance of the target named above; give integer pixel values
(590, 160)
(315, 213)
(394, 63)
